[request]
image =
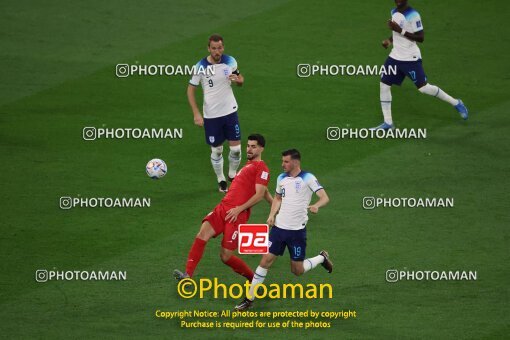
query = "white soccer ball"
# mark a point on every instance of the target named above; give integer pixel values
(156, 168)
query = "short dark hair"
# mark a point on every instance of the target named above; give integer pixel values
(293, 153)
(215, 38)
(259, 138)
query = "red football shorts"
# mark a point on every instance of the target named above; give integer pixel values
(229, 229)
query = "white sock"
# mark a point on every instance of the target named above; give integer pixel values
(234, 159)
(433, 90)
(258, 278)
(217, 162)
(312, 262)
(386, 103)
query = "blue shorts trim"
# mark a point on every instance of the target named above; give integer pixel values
(412, 69)
(294, 240)
(217, 130)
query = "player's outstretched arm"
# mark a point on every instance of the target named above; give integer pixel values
(277, 202)
(260, 191)
(323, 200)
(197, 116)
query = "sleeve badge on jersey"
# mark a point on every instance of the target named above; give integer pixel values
(264, 175)
(418, 24)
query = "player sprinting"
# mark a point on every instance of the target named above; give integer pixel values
(407, 30)
(294, 190)
(220, 120)
(248, 188)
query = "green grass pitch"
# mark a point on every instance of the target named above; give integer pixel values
(58, 76)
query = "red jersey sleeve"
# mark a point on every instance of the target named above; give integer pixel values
(262, 176)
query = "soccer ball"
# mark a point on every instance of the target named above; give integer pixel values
(156, 168)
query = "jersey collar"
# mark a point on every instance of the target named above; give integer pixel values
(298, 175)
(222, 60)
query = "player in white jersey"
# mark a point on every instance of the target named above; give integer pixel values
(294, 190)
(220, 120)
(407, 30)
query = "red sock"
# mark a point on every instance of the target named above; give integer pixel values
(195, 254)
(240, 267)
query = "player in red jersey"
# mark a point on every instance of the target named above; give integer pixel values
(248, 188)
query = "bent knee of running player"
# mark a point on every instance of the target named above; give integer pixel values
(297, 268)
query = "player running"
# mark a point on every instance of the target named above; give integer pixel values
(294, 189)
(220, 119)
(248, 188)
(407, 30)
